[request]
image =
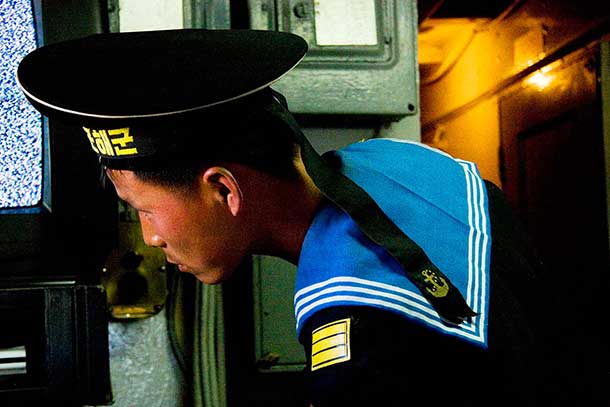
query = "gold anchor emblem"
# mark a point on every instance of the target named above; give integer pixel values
(436, 285)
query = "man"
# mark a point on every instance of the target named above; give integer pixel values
(401, 295)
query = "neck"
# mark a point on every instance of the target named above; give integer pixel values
(282, 212)
(294, 224)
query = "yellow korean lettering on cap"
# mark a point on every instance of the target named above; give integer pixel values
(112, 142)
(123, 142)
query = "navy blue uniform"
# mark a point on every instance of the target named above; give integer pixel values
(369, 335)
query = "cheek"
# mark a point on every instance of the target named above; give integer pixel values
(217, 241)
(180, 230)
(207, 235)
(231, 240)
(169, 224)
(191, 230)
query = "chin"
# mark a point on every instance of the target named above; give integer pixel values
(211, 277)
(207, 279)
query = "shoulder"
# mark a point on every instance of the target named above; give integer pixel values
(391, 146)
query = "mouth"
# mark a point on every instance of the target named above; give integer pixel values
(172, 261)
(180, 267)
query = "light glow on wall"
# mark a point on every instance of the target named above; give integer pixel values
(540, 80)
(543, 77)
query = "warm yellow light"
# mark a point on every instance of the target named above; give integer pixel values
(540, 80)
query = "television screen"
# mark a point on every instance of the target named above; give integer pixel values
(21, 143)
(56, 222)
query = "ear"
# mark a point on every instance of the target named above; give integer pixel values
(227, 187)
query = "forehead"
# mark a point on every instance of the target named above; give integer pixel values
(134, 189)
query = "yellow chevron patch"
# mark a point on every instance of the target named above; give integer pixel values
(330, 344)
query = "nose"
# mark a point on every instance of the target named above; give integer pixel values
(149, 236)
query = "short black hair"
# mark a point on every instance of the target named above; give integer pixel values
(263, 142)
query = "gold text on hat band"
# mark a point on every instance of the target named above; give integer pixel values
(111, 142)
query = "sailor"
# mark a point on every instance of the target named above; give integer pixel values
(403, 251)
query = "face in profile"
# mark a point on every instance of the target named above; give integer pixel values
(195, 227)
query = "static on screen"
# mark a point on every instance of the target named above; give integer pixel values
(20, 123)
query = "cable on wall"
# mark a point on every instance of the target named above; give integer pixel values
(450, 62)
(209, 370)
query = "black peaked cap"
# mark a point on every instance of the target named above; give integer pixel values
(154, 74)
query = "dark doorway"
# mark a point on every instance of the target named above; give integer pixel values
(554, 177)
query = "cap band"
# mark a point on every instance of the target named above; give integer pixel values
(112, 142)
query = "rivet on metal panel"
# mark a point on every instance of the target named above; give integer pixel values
(301, 10)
